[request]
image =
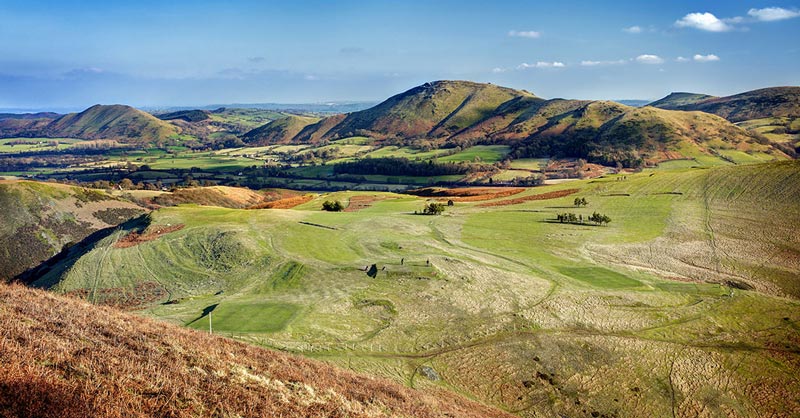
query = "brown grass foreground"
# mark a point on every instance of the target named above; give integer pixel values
(63, 357)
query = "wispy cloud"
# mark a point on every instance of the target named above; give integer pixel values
(771, 14)
(256, 60)
(532, 34)
(649, 59)
(541, 64)
(498, 70)
(682, 59)
(588, 63)
(706, 58)
(703, 21)
(633, 29)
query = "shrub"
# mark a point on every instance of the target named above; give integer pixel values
(332, 206)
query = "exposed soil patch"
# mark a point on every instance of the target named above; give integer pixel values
(467, 194)
(155, 231)
(544, 196)
(287, 203)
(360, 202)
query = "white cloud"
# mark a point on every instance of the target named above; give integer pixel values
(771, 14)
(498, 70)
(706, 58)
(524, 34)
(703, 21)
(649, 59)
(311, 77)
(633, 29)
(682, 59)
(541, 64)
(588, 63)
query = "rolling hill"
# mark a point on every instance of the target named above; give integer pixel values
(675, 100)
(278, 131)
(460, 113)
(757, 104)
(119, 122)
(64, 357)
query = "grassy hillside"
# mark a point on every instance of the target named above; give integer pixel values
(674, 101)
(63, 357)
(39, 219)
(757, 104)
(186, 115)
(119, 122)
(279, 131)
(687, 301)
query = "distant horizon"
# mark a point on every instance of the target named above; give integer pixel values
(69, 54)
(287, 105)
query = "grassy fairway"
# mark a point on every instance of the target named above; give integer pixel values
(501, 296)
(248, 317)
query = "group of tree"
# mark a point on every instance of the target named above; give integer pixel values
(580, 201)
(432, 208)
(332, 206)
(571, 218)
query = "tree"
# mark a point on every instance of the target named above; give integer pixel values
(433, 209)
(332, 206)
(599, 218)
(126, 184)
(580, 201)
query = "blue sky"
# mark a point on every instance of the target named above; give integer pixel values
(70, 54)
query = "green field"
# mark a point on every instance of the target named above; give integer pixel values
(479, 153)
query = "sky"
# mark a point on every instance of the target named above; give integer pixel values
(72, 54)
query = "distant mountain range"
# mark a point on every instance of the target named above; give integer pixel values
(328, 107)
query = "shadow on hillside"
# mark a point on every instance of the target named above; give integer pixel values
(207, 310)
(47, 274)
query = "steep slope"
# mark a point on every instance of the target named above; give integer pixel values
(119, 122)
(675, 100)
(757, 104)
(279, 131)
(63, 357)
(39, 219)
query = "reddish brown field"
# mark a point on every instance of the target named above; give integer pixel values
(543, 196)
(153, 232)
(468, 194)
(62, 357)
(287, 203)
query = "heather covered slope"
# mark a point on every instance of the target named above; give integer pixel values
(39, 219)
(64, 357)
(757, 104)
